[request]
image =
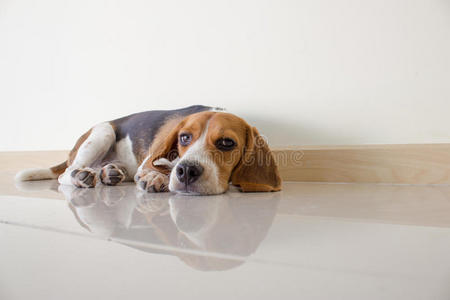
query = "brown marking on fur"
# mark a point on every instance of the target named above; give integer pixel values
(74, 151)
(257, 171)
(164, 144)
(59, 169)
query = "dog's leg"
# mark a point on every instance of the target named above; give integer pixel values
(86, 154)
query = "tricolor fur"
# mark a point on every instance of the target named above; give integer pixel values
(195, 150)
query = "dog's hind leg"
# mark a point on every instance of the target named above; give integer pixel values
(88, 151)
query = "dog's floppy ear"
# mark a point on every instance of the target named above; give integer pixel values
(163, 147)
(257, 170)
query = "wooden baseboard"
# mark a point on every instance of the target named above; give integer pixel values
(400, 164)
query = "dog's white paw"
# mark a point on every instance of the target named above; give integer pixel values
(153, 182)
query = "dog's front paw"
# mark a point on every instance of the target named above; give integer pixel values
(153, 182)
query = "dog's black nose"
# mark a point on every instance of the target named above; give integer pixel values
(188, 172)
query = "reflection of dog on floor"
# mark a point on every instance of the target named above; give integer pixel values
(227, 228)
(195, 150)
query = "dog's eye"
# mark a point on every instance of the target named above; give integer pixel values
(225, 144)
(185, 139)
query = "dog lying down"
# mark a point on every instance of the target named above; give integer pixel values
(194, 150)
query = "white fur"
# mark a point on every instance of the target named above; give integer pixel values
(125, 155)
(35, 174)
(208, 183)
(139, 173)
(165, 162)
(93, 149)
(95, 146)
(218, 109)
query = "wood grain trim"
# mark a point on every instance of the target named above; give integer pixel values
(400, 164)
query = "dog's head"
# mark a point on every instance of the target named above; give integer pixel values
(215, 148)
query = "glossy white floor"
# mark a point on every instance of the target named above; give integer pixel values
(310, 241)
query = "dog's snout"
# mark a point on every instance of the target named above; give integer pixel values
(188, 172)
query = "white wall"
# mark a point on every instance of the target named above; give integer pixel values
(304, 72)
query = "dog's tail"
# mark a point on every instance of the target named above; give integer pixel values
(40, 174)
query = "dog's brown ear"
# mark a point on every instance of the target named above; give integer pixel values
(164, 146)
(257, 170)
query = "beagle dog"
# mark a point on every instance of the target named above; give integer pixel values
(194, 150)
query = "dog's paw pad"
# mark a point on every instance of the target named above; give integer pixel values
(84, 178)
(154, 182)
(111, 175)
